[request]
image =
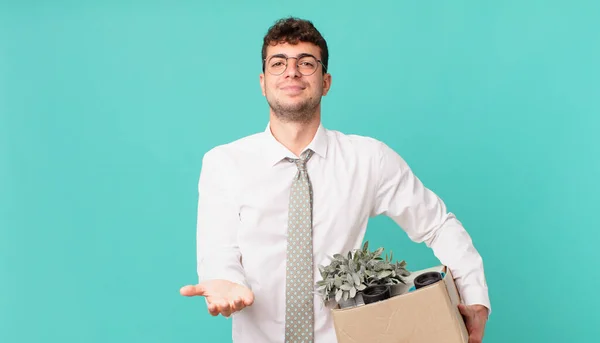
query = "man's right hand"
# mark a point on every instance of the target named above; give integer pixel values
(223, 297)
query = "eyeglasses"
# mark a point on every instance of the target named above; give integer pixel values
(305, 63)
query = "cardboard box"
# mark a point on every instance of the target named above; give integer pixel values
(427, 315)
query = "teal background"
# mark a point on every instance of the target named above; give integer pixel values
(107, 107)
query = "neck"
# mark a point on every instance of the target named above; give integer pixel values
(295, 136)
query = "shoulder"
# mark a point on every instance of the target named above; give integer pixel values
(223, 162)
(359, 143)
(367, 149)
(234, 150)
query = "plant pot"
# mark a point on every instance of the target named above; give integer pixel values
(356, 301)
(375, 293)
(427, 279)
(398, 289)
(359, 299)
(347, 303)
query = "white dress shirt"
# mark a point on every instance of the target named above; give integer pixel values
(243, 211)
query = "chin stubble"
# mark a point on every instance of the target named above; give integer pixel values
(301, 113)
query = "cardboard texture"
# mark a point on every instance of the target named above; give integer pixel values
(427, 315)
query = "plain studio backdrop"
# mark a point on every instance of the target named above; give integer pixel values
(107, 107)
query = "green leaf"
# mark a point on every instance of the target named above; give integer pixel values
(346, 287)
(378, 251)
(338, 295)
(361, 287)
(384, 274)
(345, 296)
(366, 246)
(338, 281)
(356, 279)
(352, 292)
(349, 278)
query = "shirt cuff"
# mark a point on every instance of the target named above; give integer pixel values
(474, 295)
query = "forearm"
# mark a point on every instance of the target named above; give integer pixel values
(221, 264)
(453, 246)
(218, 253)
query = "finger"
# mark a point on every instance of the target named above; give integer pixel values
(225, 309)
(222, 304)
(468, 314)
(248, 300)
(213, 309)
(237, 304)
(192, 290)
(465, 310)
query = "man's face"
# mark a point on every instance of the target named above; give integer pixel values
(291, 95)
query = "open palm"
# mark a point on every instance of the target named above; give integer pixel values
(223, 297)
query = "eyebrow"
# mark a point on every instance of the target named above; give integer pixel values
(304, 54)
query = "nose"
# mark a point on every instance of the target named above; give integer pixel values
(292, 68)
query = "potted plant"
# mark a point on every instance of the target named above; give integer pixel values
(385, 271)
(342, 281)
(388, 272)
(349, 278)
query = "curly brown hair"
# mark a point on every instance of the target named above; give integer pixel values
(293, 30)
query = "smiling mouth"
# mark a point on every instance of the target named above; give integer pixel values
(292, 88)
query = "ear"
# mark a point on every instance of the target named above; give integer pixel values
(262, 83)
(326, 83)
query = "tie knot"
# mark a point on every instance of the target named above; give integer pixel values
(301, 162)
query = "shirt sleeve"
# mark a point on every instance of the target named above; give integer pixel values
(423, 216)
(218, 253)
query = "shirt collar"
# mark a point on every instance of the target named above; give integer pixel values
(276, 151)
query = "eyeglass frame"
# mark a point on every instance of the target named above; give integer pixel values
(297, 59)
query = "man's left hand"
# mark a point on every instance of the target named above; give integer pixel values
(475, 319)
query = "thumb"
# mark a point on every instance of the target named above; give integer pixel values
(192, 290)
(464, 310)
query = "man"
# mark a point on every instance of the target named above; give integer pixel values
(274, 205)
